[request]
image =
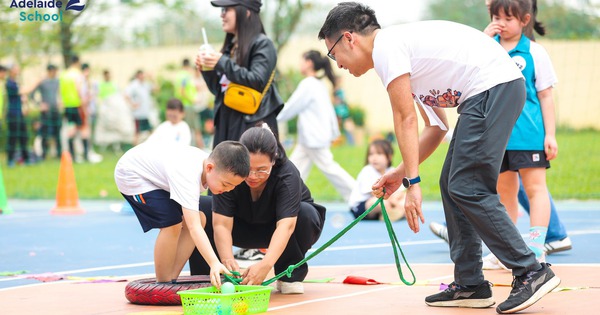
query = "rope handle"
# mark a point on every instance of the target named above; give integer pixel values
(388, 224)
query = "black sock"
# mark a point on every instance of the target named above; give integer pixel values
(85, 148)
(72, 148)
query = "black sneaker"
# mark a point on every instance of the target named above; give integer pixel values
(460, 296)
(528, 289)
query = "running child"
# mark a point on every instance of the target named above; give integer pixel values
(163, 182)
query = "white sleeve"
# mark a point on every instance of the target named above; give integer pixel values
(545, 76)
(390, 58)
(183, 184)
(297, 102)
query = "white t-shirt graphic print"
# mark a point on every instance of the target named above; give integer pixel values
(448, 62)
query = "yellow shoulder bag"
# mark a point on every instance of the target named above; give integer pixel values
(244, 99)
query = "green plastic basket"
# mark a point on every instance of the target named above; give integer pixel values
(247, 299)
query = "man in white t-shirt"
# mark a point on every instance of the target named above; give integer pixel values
(162, 182)
(444, 64)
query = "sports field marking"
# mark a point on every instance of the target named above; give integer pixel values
(331, 298)
(343, 296)
(69, 272)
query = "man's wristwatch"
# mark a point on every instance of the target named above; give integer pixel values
(407, 182)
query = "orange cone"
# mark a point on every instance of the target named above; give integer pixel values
(67, 199)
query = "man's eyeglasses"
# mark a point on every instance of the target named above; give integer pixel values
(332, 47)
(260, 174)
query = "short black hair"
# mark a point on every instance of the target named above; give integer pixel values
(175, 103)
(85, 66)
(185, 62)
(231, 156)
(349, 16)
(3, 68)
(51, 67)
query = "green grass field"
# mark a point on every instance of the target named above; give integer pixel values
(575, 174)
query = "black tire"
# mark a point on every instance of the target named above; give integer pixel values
(148, 292)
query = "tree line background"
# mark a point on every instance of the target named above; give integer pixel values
(104, 24)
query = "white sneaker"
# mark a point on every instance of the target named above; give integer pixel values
(491, 262)
(439, 230)
(94, 157)
(558, 246)
(290, 287)
(251, 254)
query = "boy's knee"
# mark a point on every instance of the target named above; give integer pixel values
(174, 229)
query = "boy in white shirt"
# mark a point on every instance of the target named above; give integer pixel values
(445, 64)
(174, 128)
(162, 181)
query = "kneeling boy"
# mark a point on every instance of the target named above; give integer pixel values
(162, 181)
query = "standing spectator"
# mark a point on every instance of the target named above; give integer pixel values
(248, 57)
(187, 90)
(139, 95)
(480, 79)
(532, 143)
(557, 239)
(90, 92)
(342, 111)
(203, 111)
(115, 124)
(50, 111)
(2, 93)
(73, 100)
(317, 124)
(15, 118)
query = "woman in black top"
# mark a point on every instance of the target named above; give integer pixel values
(271, 209)
(248, 57)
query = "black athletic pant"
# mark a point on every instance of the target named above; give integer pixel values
(17, 134)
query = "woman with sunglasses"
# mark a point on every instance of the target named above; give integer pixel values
(248, 57)
(271, 209)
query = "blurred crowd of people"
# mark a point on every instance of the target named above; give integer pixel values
(72, 110)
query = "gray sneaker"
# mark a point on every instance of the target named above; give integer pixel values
(528, 289)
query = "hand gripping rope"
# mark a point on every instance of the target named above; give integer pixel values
(388, 224)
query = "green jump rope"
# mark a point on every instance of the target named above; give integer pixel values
(236, 279)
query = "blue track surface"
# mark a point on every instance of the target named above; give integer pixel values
(102, 242)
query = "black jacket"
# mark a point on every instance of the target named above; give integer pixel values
(261, 62)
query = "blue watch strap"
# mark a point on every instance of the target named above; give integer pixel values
(415, 180)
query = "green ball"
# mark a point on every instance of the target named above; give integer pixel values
(227, 288)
